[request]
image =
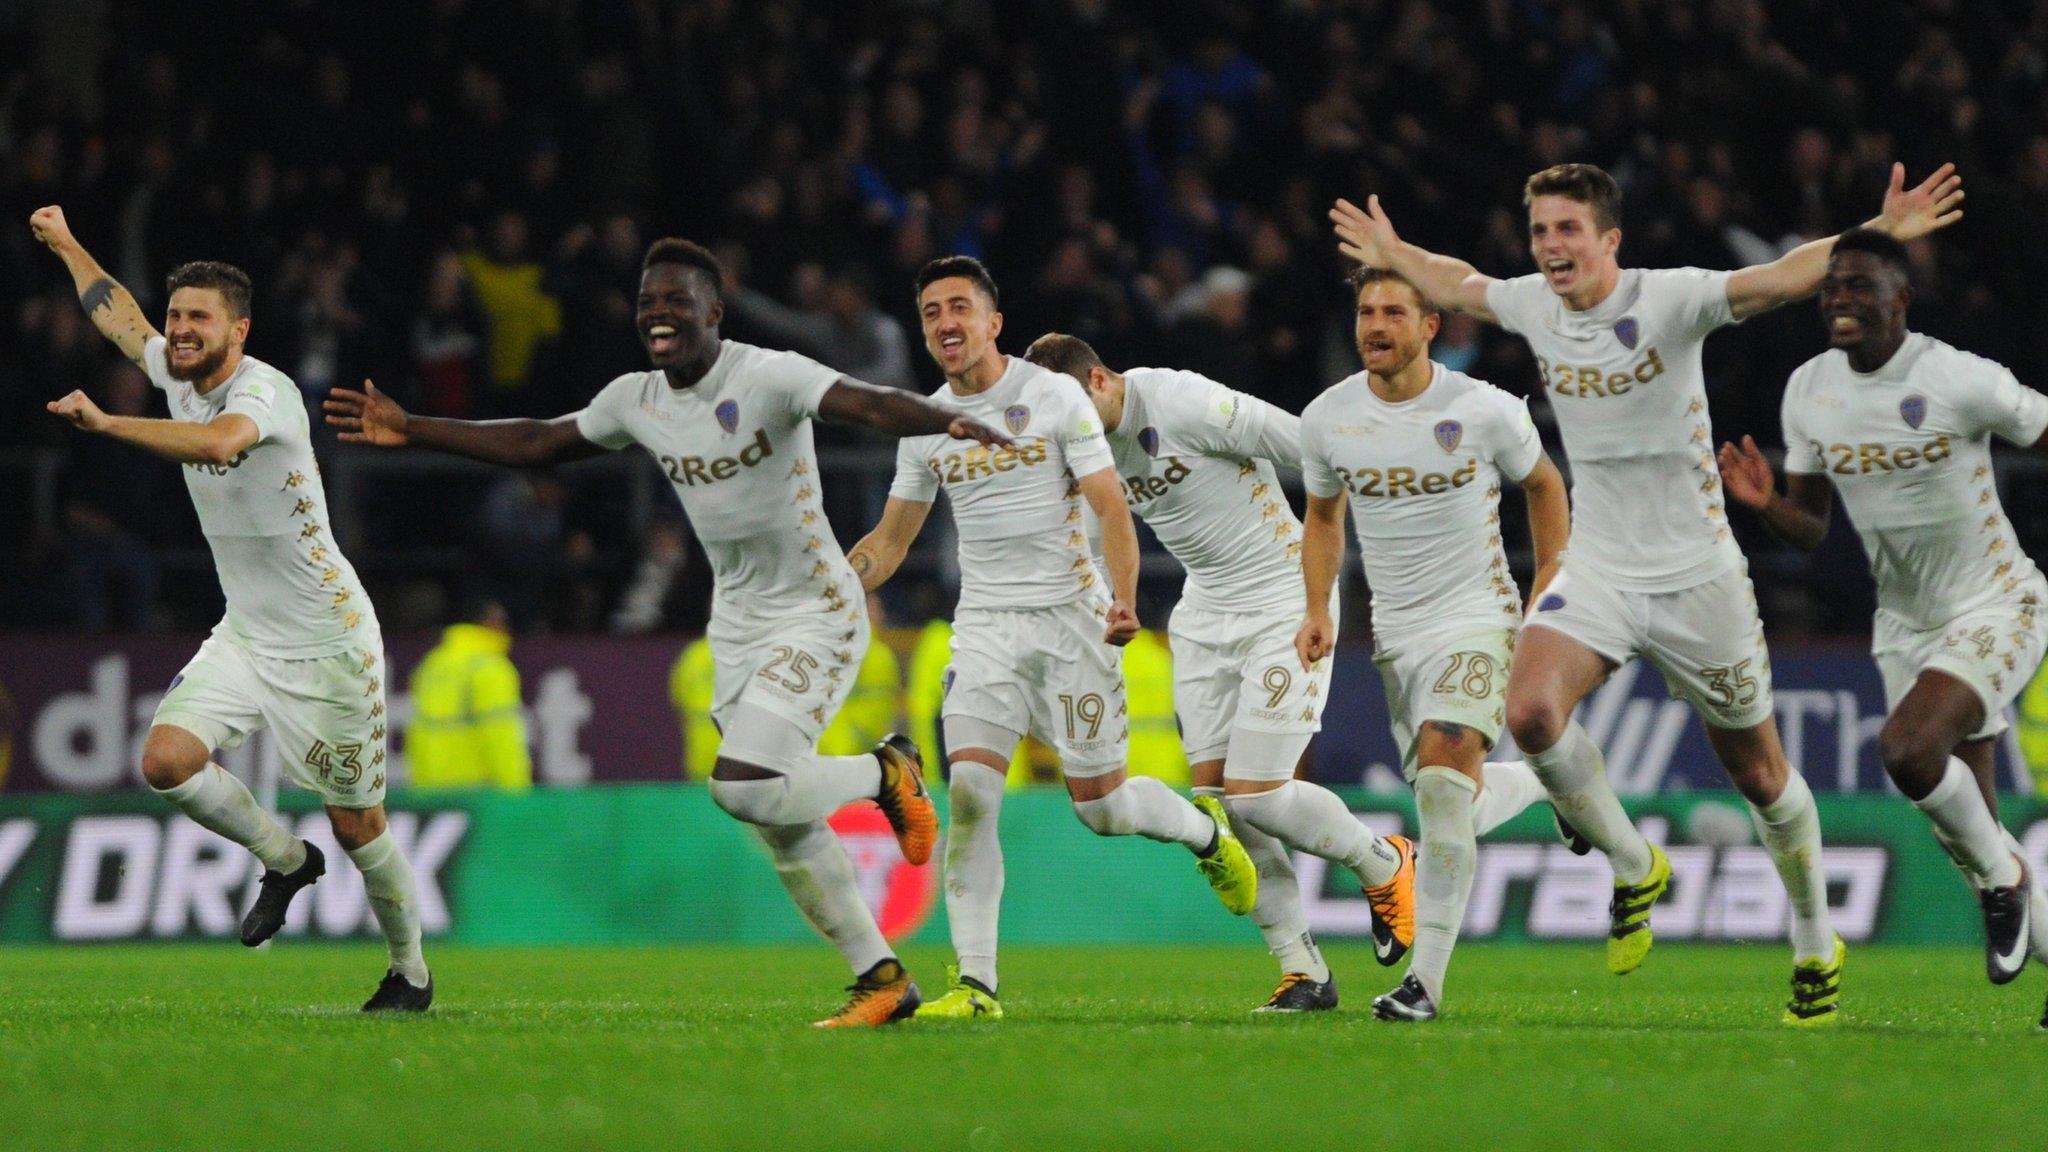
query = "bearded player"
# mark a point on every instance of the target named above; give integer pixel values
(1901, 425)
(298, 650)
(731, 426)
(1653, 570)
(1036, 634)
(1417, 453)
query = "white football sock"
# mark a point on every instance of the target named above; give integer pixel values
(1144, 806)
(1575, 775)
(1790, 829)
(1310, 818)
(387, 878)
(1511, 787)
(814, 868)
(1444, 864)
(807, 786)
(1278, 912)
(974, 868)
(220, 803)
(2037, 901)
(1966, 829)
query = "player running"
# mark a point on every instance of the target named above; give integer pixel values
(1901, 424)
(1197, 463)
(1418, 453)
(1653, 570)
(299, 649)
(731, 426)
(1036, 634)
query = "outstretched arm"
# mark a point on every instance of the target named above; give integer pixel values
(1800, 517)
(1550, 520)
(881, 551)
(894, 412)
(1367, 236)
(1105, 494)
(1907, 215)
(1322, 551)
(371, 417)
(112, 308)
(215, 443)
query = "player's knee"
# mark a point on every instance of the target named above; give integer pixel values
(1537, 721)
(355, 827)
(171, 758)
(754, 801)
(1108, 815)
(1910, 753)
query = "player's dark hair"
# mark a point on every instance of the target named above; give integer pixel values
(966, 267)
(1362, 277)
(1589, 184)
(1059, 352)
(676, 250)
(231, 282)
(1886, 248)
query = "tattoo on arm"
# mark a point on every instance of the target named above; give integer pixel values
(97, 295)
(862, 562)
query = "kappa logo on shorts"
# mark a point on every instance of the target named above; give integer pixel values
(1627, 331)
(1148, 439)
(1449, 434)
(1017, 417)
(1551, 602)
(1914, 410)
(728, 413)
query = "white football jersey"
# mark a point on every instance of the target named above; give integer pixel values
(1624, 379)
(1018, 511)
(1424, 478)
(1196, 461)
(737, 447)
(290, 592)
(1908, 447)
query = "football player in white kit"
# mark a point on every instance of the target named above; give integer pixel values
(1653, 570)
(298, 650)
(1901, 425)
(1036, 634)
(731, 426)
(1197, 463)
(1417, 453)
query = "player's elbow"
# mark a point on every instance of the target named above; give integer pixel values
(220, 451)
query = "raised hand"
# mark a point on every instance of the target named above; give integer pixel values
(366, 417)
(1930, 206)
(1746, 475)
(1123, 624)
(963, 428)
(79, 408)
(1364, 234)
(50, 228)
(1315, 641)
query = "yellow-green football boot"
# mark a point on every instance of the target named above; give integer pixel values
(967, 999)
(1817, 990)
(1628, 916)
(1228, 867)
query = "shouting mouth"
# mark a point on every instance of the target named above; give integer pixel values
(661, 339)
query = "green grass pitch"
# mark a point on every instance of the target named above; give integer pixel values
(176, 1047)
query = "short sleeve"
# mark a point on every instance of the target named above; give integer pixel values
(798, 382)
(258, 400)
(1515, 444)
(1079, 432)
(915, 481)
(1801, 456)
(603, 423)
(1689, 301)
(154, 364)
(1316, 474)
(1990, 399)
(1517, 303)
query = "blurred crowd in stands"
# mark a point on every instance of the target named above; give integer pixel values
(452, 197)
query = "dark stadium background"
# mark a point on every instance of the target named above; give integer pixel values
(452, 197)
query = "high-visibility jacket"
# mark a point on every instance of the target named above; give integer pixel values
(689, 691)
(2032, 722)
(467, 730)
(871, 709)
(1148, 689)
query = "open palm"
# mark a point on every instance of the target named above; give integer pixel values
(366, 417)
(1929, 206)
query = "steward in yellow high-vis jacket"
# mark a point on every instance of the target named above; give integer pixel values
(467, 730)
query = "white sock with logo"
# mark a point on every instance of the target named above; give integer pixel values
(1278, 912)
(815, 869)
(1790, 829)
(1310, 818)
(1511, 787)
(974, 868)
(1966, 829)
(1575, 775)
(387, 878)
(1444, 864)
(219, 803)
